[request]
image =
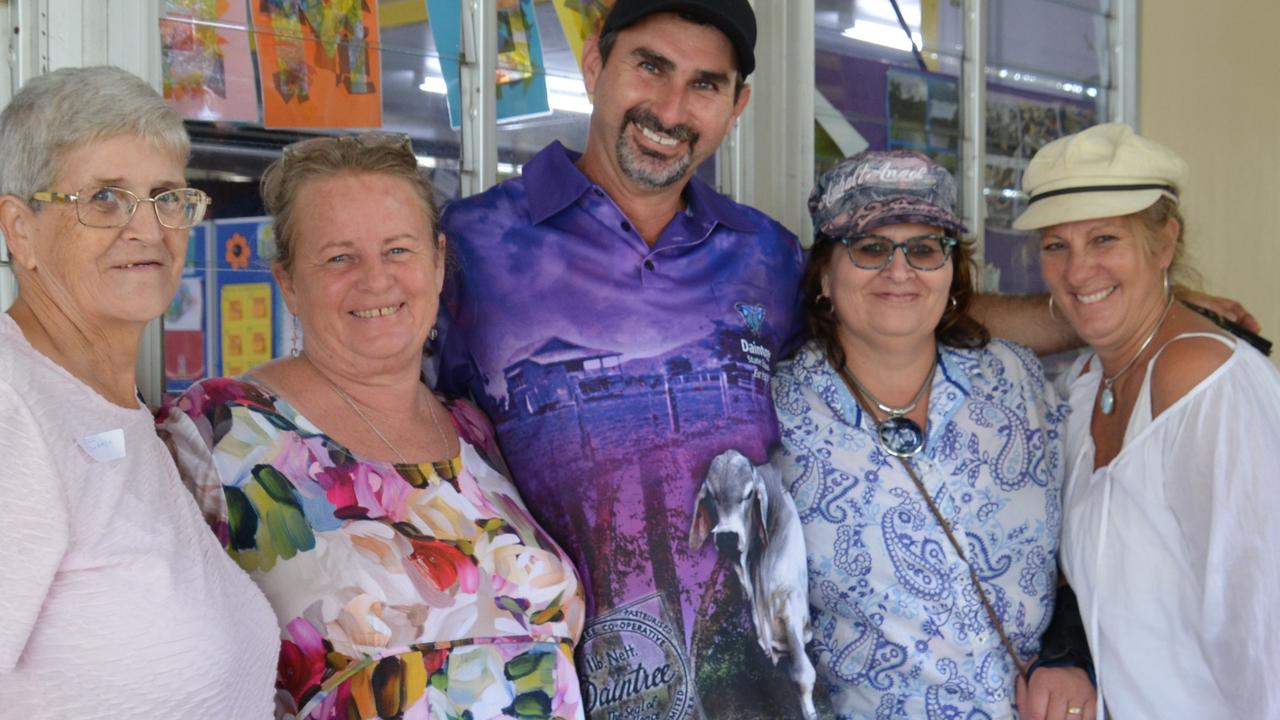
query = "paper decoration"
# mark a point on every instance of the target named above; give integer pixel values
(581, 19)
(521, 75)
(246, 327)
(206, 60)
(187, 320)
(319, 63)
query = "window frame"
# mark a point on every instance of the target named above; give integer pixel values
(43, 34)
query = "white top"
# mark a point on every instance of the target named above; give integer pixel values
(1172, 547)
(116, 600)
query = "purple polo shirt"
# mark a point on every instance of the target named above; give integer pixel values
(614, 372)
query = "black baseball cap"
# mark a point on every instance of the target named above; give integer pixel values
(734, 18)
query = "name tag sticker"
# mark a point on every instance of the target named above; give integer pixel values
(105, 446)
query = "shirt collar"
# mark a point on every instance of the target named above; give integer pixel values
(952, 382)
(712, 208)
(553, 182)
(959, 368)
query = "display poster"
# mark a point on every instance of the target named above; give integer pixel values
(1018, 125)
(186, 321)
(581, 19)
(924, 115)
(246, 326)
(206, 60)
(318, 62)
(521, 77)
(244, 294)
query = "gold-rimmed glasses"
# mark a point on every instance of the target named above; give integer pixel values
(113, 207)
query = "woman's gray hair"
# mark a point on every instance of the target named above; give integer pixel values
(60, 111)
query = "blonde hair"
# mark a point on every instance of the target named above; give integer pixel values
(371, 153)
(1153, 221)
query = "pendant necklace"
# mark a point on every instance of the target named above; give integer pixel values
(368, 423)
(1107, 400)
(899, 435)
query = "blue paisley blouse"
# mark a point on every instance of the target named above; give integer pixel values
(898, 628)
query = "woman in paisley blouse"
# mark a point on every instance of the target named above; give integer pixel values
(925, 460)
(408, 579)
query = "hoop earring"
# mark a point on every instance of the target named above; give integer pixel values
(823, 304)
(1051, 315)
(295, 343)
(952, 303)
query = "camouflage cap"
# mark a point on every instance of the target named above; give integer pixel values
(877, 188)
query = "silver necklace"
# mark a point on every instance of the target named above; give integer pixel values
(1107, 400)
(899, 435)
(444, 441)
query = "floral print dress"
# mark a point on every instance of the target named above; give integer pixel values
(407, 591)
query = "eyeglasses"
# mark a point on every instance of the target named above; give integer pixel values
(113, 207)
(875, 252)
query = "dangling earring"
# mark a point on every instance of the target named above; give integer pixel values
(823, 304)
(432, 334)
(295, 344)
(1051, 315)
(1167, 292)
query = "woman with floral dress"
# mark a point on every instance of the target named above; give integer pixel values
(408, 579)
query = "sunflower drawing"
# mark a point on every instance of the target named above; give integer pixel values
(238, 252)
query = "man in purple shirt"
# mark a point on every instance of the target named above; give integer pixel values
(618, 320)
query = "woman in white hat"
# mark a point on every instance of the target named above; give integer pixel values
(1173, 444)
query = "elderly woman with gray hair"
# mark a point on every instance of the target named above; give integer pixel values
(116, 600)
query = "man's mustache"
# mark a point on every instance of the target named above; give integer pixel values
(646, 119)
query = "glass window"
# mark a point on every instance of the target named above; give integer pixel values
(570, 108)
(1048, 75)
(874, 92)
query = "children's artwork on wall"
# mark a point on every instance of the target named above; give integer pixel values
(206, 60)
(246, 326)
(243, 295)
(581, 19)
(318, 63)
(187, 319)
(521, 76)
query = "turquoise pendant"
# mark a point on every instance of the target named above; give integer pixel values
(1107, 402)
